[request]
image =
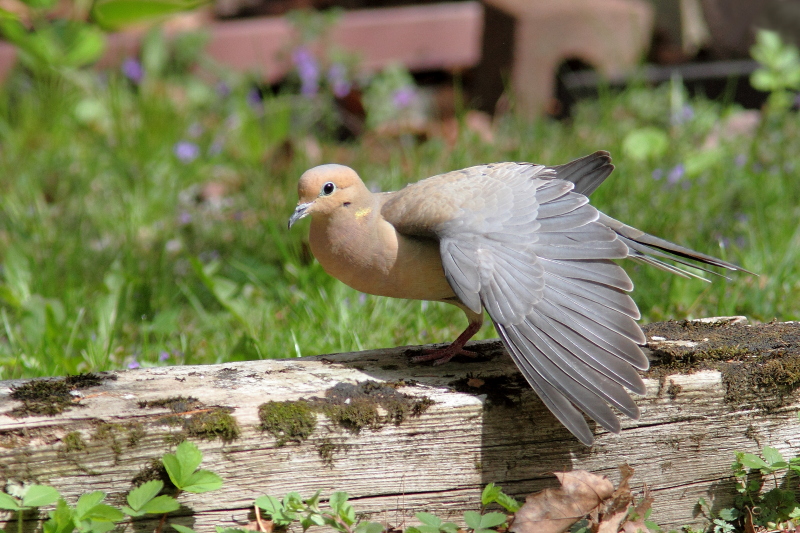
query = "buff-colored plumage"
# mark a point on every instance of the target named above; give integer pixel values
(516, 239)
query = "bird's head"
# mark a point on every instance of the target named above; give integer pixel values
(325, 189)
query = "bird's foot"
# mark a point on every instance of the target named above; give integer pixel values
(442, 355)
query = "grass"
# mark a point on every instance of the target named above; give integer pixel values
(122, 247)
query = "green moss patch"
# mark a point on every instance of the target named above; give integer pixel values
(215, 423)
(760, 364)
(369, 404)
(50, 397)
(196, 419)
(73, 442)
(290, 421)
(176, 404)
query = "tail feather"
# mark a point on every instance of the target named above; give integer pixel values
(587, 173)
(649, 245)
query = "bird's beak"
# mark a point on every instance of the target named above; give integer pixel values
(300, 211)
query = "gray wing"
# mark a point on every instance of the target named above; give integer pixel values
(531, 252)
(587, 173)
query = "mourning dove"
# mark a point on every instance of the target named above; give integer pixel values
(519, 240)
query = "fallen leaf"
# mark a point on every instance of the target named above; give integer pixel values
(555, 510)
(748, 522)
(610, 520)
(639, 512)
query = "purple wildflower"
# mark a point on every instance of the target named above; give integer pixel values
(658, 174)
(308, 70)
(132, 69)
(223, 89)
(163, 356)
(676, 174)
(403, 97)
(186, 151)
(337, 78)
(184, 218)
(195, 130)
(133, 364)
(685, 114)
(216, 147)
(254, 98)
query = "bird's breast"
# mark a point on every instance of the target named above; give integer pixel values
(372, 257)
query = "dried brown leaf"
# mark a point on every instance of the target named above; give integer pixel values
(555, 510)
(640, 511)
(611, 519)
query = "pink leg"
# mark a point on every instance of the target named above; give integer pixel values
(443, 355)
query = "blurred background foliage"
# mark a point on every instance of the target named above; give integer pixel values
(143, 209)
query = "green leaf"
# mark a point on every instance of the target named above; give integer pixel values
(729, 514)
(773, 456)
(645, 143)
(269, 503)
(370, 527)
(316, 519)
(337, 500)
(40, 4)
(413, 530)
(490, 494)
(490, 520)
(144, 493)
(202, 481)
(87, 502)
(161, 504)
(472, 519)
(84, 45)
(753, 461)
(173, 468)
(508, 503)
(104, 513)
(39, 495)
(61, 519)
(449, 527)
(95, 526)
(428, 529)
(115, 14)
(9, 503)
(313, 501)
(293, 501)
(182, 464)
(130, 512)
(189, 455)
(348, 514)
(182, 529)
(429, 519)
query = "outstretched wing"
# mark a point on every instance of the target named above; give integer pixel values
(518, 241)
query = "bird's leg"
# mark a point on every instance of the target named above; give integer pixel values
(443, 355)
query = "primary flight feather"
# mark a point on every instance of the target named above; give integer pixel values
(519, 240)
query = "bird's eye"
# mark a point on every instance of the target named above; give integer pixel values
(328, 189)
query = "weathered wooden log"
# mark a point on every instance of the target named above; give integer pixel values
(402, 438)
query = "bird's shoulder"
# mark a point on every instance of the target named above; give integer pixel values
(427, 206)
